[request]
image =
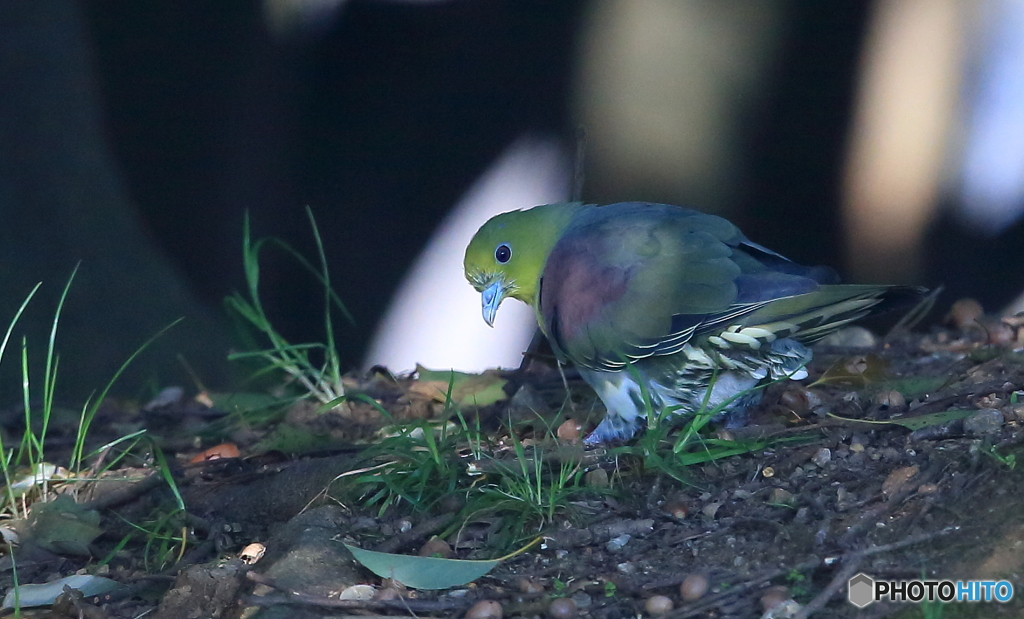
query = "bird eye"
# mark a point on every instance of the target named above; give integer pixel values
(503, 253)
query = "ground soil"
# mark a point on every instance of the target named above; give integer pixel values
(847, 483)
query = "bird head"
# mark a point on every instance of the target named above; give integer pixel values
(506, 256)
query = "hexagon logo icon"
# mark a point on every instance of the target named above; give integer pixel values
(860, 590)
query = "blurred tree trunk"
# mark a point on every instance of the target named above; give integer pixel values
(62, 200)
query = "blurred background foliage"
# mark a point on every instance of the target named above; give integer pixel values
(885, 138)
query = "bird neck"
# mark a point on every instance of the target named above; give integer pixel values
(547, 223)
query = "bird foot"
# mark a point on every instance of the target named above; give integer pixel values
(612, 428)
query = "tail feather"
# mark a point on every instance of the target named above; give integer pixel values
(810, 317)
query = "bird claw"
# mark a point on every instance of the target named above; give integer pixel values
(612, 428)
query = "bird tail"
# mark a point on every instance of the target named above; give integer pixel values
(809, 317)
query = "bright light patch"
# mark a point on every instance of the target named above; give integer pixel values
(435, 317)
(993, 167)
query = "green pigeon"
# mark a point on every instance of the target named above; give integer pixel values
(663, 301)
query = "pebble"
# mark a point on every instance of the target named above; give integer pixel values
(616, 543)
(796, 399)
(530, 586)
(985, 421)
(569, 431)
(678, 508)
(581, 599)
(773, 596)
(436, 547)
(562, 608)
(822, 457)
(693, 587)
(658, 605)
(785, 610)
(485, 609)
(358, 592)
(780, 496)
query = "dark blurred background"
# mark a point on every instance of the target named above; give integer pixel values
(134, 137)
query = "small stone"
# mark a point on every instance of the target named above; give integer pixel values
(581, 599)
(569, 431)
(360, 593)
(843, 497)
(768, 472)
(616, 544)
(693, 587)
(773, 596)
(983, 422)
(781, 496)
(927, 488)
(628, 568)
(562, 608)
(658, 605)
(485, 609)
(822, 457)
(891, 454)
(677, 508)
(530, 585)
(796, 399)
(786, 610)
(436, 547)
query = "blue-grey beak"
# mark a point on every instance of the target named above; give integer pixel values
(491, 298)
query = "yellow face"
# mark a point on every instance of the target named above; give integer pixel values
(507, 255)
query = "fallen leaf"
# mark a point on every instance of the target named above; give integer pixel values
(898, 479)
(855, 371)
(466, 389)
(422, 572)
